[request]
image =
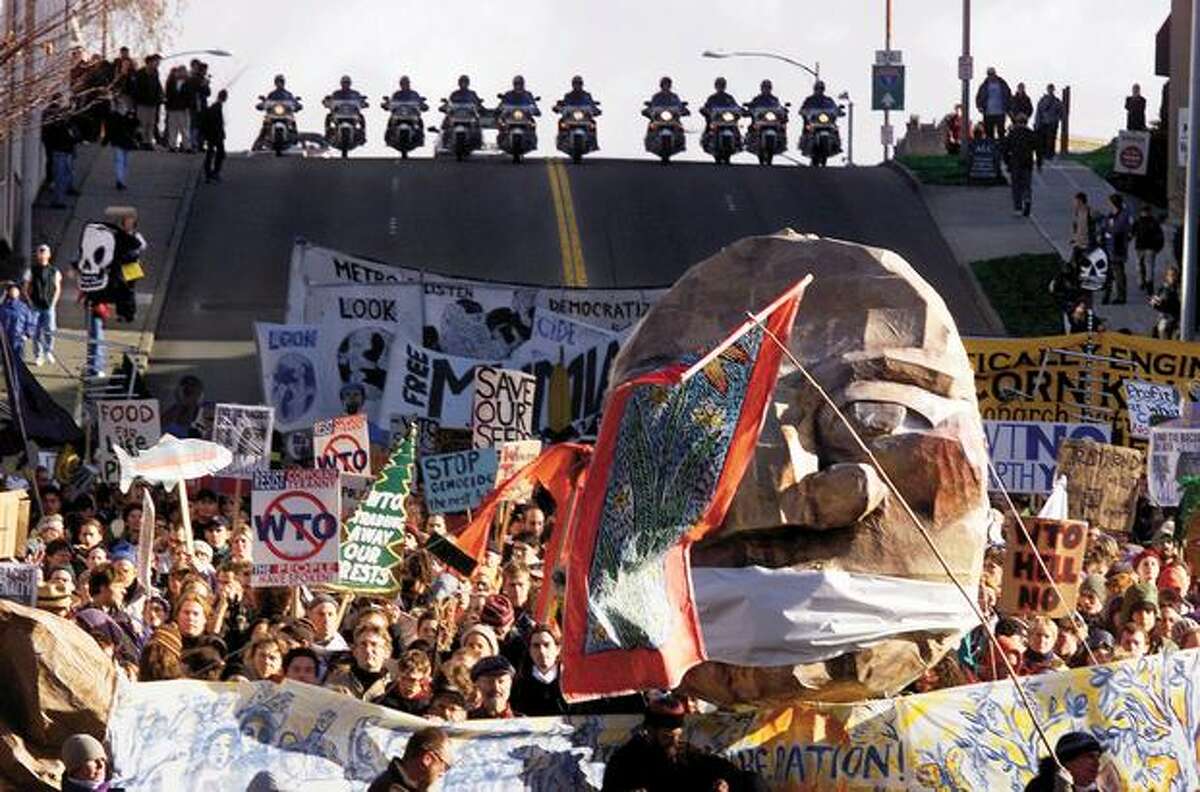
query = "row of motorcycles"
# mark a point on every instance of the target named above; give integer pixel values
(465, 117)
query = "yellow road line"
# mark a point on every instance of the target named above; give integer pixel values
(581, 278)
(564, 241)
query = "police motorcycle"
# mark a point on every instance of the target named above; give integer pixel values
(723, 139)
(664, 134)
(461, 132)
(345, 128)
(405, 129)
(516, 128)
(820, 139)
(279, 122)
(767, 135)
(577, 129)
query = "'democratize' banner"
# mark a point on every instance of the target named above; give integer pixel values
(197, 735)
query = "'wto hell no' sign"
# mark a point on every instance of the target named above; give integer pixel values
(1026, 588)
(295, 516)
(343, 444)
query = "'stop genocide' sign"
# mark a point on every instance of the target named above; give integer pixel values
(459, 481)
(295, 514)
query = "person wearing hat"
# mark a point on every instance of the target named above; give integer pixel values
(54, 597)
(1139, 609)
(427, 757)
(1079, 754)
(1093, 595)
(323, 612)
(43, 284)
(1102, 644)
(1147, 564)
(658, 757)
(499, 614)
(85, 764)
(493, 677)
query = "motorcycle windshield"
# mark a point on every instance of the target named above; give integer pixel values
(345, 108)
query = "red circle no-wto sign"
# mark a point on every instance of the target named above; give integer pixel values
(1131, 157)
(305, 526)
(346, 450)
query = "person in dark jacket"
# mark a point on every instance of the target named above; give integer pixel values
(147, 97)
(85, 764)
(1135, 110)
(122, 133)
(992, 99)
(1079, 753)
(1045, 123)
(658, 758)
(536, 690)
(212, 133)
(1117, 228)
(1148, 242)
(60, 136)
(1020, 103)
(180, 96)
(1019, 149)
(17, 319)
(198, 80)
(426, 759)
(1166, 302)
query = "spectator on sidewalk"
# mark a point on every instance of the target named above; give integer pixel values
(1020, 104)
(59, 135)
(1166, 302)
(992, 99)
(1148, 242)
(123, 86)
(122, 133)
(952, 131)
(1118, 224)
(1082, 230)
(43, 284)
(198, 78)
(212, 129)
(1049, 116)
(17, 318)
(147, 96)
(1019, 148)
(1135, 110)
(179, 99)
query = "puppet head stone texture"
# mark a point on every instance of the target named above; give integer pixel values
(813, 533)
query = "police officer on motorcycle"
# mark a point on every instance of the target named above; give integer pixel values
(818, 100)
(348, 95)
(519, 97)
(281, 94)
(407, 94)
(720, 98)
(765, 98)
(577, 97)
(665, 98)
(464, 94)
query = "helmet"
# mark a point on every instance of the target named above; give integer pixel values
(765, 86)
(404, 81)
(464, 81)
(345, 81)
(819, 87)
(279, 80)
(665, 83)
(719, 84)
(576, 81)
(518, 82)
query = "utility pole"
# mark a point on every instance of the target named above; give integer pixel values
(965, 70)
(1191, 204)
(887, 114)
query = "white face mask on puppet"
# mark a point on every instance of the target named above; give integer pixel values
(1093, 271)
(96, 251)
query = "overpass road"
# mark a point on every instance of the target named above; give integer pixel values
(604, 223)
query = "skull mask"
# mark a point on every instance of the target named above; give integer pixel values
(96, 251)
(1093, 271)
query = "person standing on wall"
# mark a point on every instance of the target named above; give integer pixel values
(1045, 123)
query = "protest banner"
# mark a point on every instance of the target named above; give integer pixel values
(354, 490)
(1102, 483)
(246, 431)
(132, 424)
(295, 516)
(512, 457)
(14, 523)
(19, 582)
(503, 406)
(1173, 454)
(1025, 453)
(292, 377)
(1026, 589)
(145, 541)
(373, 538)
(613, 309)
(343, 444)
(459, 481)
(1149, 403)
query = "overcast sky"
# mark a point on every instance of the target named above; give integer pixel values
(622, 47)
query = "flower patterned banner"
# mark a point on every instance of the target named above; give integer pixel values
(197, 735)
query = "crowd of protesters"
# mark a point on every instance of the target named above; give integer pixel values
(131, 106)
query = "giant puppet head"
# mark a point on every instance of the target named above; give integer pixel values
(818, 585)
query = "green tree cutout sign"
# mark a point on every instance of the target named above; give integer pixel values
(373, 537)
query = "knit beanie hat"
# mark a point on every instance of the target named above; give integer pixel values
(167, 637)
(497, 612)
(78, 749)
(1094, 585)
(488, 634)
(1174, 577)
(1137, 596)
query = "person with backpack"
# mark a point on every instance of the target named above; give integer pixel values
(1148, 242)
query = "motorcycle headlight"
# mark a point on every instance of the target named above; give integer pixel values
(727, 116)
(278, 109)
(770, 116)
(666, 115)
(577, 115)
(823, 118)
(518, 115)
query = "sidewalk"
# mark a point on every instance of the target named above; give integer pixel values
(160, 188)
(978, 224)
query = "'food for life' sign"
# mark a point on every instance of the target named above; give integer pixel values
(503, 406)
(295, 516)
(1026, 588)
(459, 481)
(343, 444)
(133, 424)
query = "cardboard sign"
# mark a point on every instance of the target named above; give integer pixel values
(1102, 483)
(513, 457)
(246, 431)
(503, 408)
(1026, 589)
(1149, 403)
(459, 481)
(18, 583)
(1174, 453)
(132, 424)
(14, 523)
(295, 518)
(145, 546)
(1132, 156)
(373, 537)
(1025, 453)
(343, 444)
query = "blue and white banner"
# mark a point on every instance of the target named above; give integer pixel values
(1025, 453)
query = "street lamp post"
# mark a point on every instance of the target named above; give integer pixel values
(845, 97)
